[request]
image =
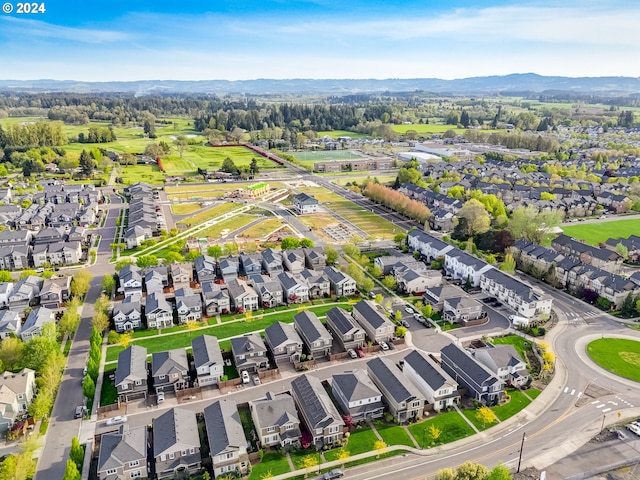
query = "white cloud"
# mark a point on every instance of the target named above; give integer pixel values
(28, 28)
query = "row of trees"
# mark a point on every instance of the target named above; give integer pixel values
(397, 201)
(37, 134)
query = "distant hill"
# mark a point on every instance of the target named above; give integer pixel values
(525, 82)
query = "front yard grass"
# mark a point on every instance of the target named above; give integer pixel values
(451, 425)
(273, 463)
(109, 392)
(517, 403)
(393, 434)
(360, 441)
(298, 455)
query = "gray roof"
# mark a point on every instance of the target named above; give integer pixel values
(206, 351)
(132, 364)
(281, 333)
(127, 306)
(428, 370)
(315, 402)
(251, 342)
(188, 297)
(504, 355)
(465, 362)
(287, 280)
(156, 301)
(275, 410)
(305, 199)
(224, 428)
(394, 381)
(342, 321)
(172, 361)
(368, 310)
(118, 449)
(37, 318)
(355, 385)
(311, 327)
(9, 320)
(175, 428)
(335, 275)
(238, 288)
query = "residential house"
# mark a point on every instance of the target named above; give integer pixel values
(462, 310)
(131, 281)
(284, 342)
(357, 396)
(430, 247)
(243, 298)
(48, 236)
(24, 291)
(414, 282)
(376, 325)
(304, 203)
(345, 329)
(481, 384)
(78, 234)
(389, 263)
(131, 379)
(227, 443)
(315, 336)
(188, 305)
(319, 414)
(127, 315)
(527, 301)
(251, 264)
(39, 255)
(10, 324)
(206, 268)
(123, 455)
(156, 279)
(35, 322)
(318, 284)
(598, 257)
(269, 290)
(342, 285)
(293, 260)
(64, 253)
(157, 310)
(6, 288)
(272, 262)
(315, 258)
(464, 266)
(294, 289)
(215, 299)
(505, 362)
(15, 237)
(229, 268)
(16, 392)
(207, 360)
(134, 236)
(437, 295)
(249, 353)
(432, 381)
(403, 400)
(276, 420)
(170, 370)
(55, 291)
(181, 275)
(176, 443)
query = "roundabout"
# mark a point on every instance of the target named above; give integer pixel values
(620, 356)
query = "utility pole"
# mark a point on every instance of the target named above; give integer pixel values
(524, 437)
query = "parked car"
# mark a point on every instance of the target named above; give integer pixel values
(352, 353)
(634, 428)
(384, 346)
(256, 380)
(160, 397)
(409, 310)
(360, 352)
(497, 304)
(245, 377)
(335, 473)
(80, 412)
(489, 299)
(404, 323)
(116, 420)
(372, 295)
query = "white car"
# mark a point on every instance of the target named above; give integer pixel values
(384, 346)
(116, 420)
(409, 310)
(634, 428)
(352, 353)
(245, 377)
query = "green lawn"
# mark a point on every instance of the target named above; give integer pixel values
(264, 228)
(520, 344)
(109, 392)
(618, 355)
(426, 128)
(178, 166)
(247, 423)
(533, 393)
(185, 208)
(374, 458)
(272, 463)
(593, 233)
(210, 214)
(141, 173)
(231, 224)
(341, 133)
(470, 414)
(207, 157)
(451, 425)
(360, 441)
(297, 456)
(517, 403)
(393, 434)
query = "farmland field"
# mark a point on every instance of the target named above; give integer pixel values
(207, 157)
(341, 133)
(140, 173)
(593, 233)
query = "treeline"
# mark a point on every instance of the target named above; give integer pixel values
(529, 141)
(397, 201)
(37, 134)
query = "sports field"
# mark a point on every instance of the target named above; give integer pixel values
(593, 233)
(309, 158)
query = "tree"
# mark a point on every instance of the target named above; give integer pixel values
(215, 251)
(192, 255)
(181, 144)
(27, 273)
(367, 284)
(71, 472)
(434, 433)
(509, 264)
(390, 282)
(36, 352)
(622, 251)
(100, 321)
(379, 298)
(473, 219)
(228, 166)
(427, 310)
(471, 471)
(485, 415)
(400, 239)
(80, 283)
(120, 264)
(147, 261)
(351, 250)
(331, 253)
(11, 350)
(289, 243)
(376, 271)
(306, 243)
(446, 474)
(253, 166)
(537, 227)
(69, 322)
(41, 404)
(5, 276)
(499, 472)
(309, 461)
(76, 454)
(87, 164)
(102, 304)
(379, 445)
(108, 283)
(88, 387)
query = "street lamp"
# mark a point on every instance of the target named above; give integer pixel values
(524, 437)
(424, 433)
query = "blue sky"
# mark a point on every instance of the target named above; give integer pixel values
(239, 40)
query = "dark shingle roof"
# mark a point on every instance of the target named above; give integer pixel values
(224, 428)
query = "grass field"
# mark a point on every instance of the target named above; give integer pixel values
(360, 441)
(451, 425)
(178, 166)
(210, 214)
(309, 158)
(426, 128)
(206, 157)
(233, 223)
(140, 173)
(593, 233)
(263, 228)
(185, 208)
(341, 133)
(618, 355)
(517, 403)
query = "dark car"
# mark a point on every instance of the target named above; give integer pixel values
(335, 473)
(489, 299)
(80, 412)
(497, 304)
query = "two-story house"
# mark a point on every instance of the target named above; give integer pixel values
(131, 280)
(5, 292)
(206, 268)
(229, 268)
(293, 260)
(272, 262)
(276, 420)
(377, 326)
(432, 381)
(342, 285)
(16, 393)
(243, 298)
(403, 400)
(482, 385)
(251, 264)
(464, 266)
(188, 305)
(345, 329)
(249, 353)
(305, 203)
(294, 288)
(319, 414)
(227, 443)
(505, 362)
(157, 310)
(10, 323)
(176, 443)
(357, 395)
(181, 275)
(284, 342)
(131, 373)
(214, 299)
(318, 284)
(429, 246)
(170, 370)
(315, 336)
(34, 323)
(55, 292)
(269, 290)
(315, 258)
(207, 360)
(127, 315)
(123, 455)
(462, 310)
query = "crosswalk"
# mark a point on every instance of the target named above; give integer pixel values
(574, 318)
(606, 407)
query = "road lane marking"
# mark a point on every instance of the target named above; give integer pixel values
(579, 394)
(605, 410)
(600, 406)
(566, 389)
(573, 390)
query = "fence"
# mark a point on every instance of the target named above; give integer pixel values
(102, 411)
